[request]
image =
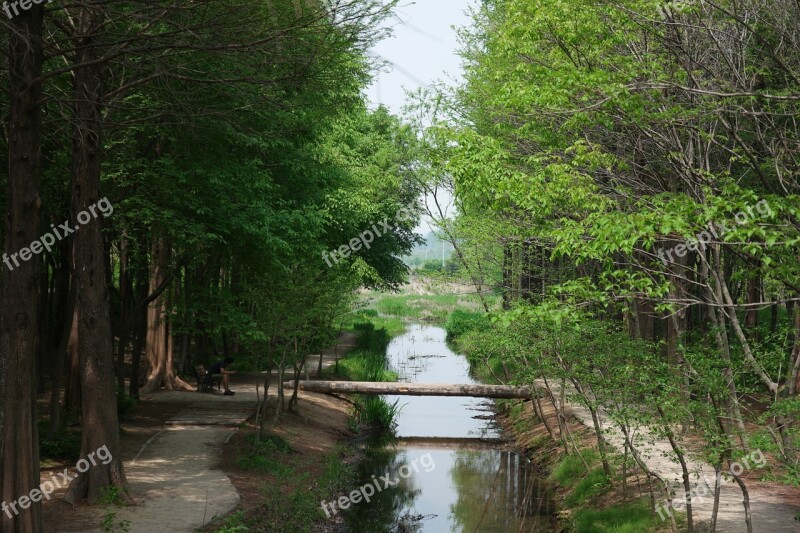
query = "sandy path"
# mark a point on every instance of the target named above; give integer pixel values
(769, 513)
(174, 476)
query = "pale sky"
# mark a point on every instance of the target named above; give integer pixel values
(422, 50)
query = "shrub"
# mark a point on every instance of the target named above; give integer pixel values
(64, 446)
(460, 322)
(125, 404)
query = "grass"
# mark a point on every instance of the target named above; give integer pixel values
(582, 491)
(394, 326)
(432, 307)
(368, 361)
(571, 468)
(594, 484)
(626, 518)
(267, 455)
(376, 414)
(372, 414)
(460, 322)
(296, 508)
(363, 366)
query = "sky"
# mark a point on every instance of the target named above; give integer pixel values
(421, 51)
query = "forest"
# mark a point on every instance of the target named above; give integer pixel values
(627, 172)
(619, 181)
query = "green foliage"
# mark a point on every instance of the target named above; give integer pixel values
(372, 339)
(376, 414)
(627, 518)
(571, 469)
(268, 455)
(460, 322)
(65, 446)
(233, 523)
(593, 484)
(111, 496)
(428, 307)
(393, 326)
(368, 362)
(125, 404)
(295, 505)
(110, 525)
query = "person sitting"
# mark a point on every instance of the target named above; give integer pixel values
(221, 367)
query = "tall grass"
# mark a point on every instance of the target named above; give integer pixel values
(626, 518)
(368, 363)
(460, 322)
(428, 307)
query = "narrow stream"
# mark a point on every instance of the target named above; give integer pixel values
(449, 473)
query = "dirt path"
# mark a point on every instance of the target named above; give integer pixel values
(176, 476)
(770, 512)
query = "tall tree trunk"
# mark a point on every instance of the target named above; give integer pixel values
(140, 329)
(19, 440)
(95, 341)
(72, 390)
(61, 355)
(753, 296)
(126, 302)
(158, 351)
(507, 274)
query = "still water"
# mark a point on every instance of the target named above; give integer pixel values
(449, 473)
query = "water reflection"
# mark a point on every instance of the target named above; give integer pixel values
(422, 355)
(472, 488)
(498, 491)
(468, 490)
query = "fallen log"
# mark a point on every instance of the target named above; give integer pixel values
(413, 389)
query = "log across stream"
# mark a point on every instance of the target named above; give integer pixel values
(414, 389)
(450, 471)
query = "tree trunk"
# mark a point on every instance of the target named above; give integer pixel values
(507, 274)
(95, 342)
(414, 389)
(139, 325)
(753, 296)
(158, 351)
(60, 360)
(72, 390)
(126, 302)
(19, 440)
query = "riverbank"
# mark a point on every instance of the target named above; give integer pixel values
(612, 488)
(586, 502)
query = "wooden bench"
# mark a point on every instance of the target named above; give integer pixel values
(206, 382)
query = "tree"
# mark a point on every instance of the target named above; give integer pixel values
(19, 298)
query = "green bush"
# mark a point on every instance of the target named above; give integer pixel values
(460, 322)
(64, 446)
(125, 404)
(371, 338)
